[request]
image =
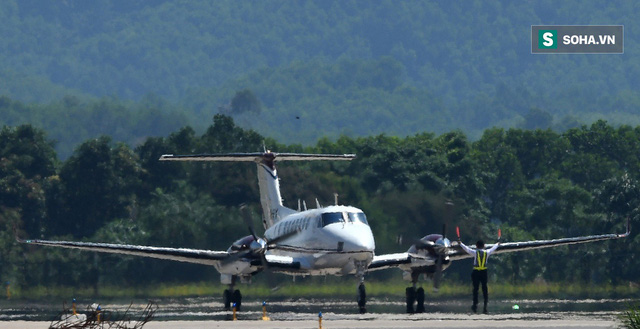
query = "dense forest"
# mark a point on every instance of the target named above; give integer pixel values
(534, 184)
(316, 68)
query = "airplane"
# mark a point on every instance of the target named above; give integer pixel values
(331, 240)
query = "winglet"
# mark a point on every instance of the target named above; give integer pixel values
(15, 234)
(18, 239)
(626, 234)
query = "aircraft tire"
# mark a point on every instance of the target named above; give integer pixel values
(420, 300)
(226, 297)
(410, 293)
(362, 298)
(237, 299)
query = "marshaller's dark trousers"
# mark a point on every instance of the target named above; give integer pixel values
(478, 277)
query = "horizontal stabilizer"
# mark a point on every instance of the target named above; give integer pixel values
(253, 157)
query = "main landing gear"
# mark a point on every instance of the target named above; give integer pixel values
(231, 297)
(415, 296)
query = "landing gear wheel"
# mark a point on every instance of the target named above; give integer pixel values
(362, 299)
(410, 293)
(237, 299)
(226, 297)
(420, 300)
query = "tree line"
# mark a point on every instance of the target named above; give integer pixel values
(533, 184)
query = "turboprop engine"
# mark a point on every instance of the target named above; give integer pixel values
(432, 250)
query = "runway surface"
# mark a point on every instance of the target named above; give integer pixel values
(463, 321)
(192, 313)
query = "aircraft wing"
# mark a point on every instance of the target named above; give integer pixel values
(205, 257)
(278, 263)
(456, 252)
(389, 260)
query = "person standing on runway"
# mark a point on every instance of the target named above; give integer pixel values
(479, 274)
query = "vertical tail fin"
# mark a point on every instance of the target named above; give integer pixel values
(270, 197)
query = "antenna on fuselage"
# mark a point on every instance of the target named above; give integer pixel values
(298, 205)
(304, 203)
(318, 204)
(335, 199)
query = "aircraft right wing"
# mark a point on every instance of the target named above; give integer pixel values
(197, 256)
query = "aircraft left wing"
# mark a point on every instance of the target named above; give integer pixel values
(455, 251)
(458, 253)
(197, 256)
(389, 260)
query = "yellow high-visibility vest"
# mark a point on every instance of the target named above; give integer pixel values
(481, 260)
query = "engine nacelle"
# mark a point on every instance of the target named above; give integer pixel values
(432, 244)
(242, 252)
(241, 244)
(425, 254)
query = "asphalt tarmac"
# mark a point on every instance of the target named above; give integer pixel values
(465, 321)
(191, 313)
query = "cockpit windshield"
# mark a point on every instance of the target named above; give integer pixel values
(343, 217)
(358, 217)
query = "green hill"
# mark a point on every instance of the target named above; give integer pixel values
(343, 67)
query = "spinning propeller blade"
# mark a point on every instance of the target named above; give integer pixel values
(262, 245)
(441, 254)
(248, 220)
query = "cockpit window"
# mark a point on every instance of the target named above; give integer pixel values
(342, 217)
(358, 217)
(331, 217)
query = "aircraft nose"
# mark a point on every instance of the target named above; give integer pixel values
(364, 245)
(361, 242)
(351, 238)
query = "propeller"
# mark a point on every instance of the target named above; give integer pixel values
(259, 246)
(437, 276)
(442, 251)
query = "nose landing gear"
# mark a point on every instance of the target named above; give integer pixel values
(362, 293)
(362, 299)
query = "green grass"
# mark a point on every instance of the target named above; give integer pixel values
(333, 289)
(631, 318)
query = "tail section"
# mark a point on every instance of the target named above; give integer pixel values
(270, 197)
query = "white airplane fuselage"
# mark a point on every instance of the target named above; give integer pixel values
(330, 240)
